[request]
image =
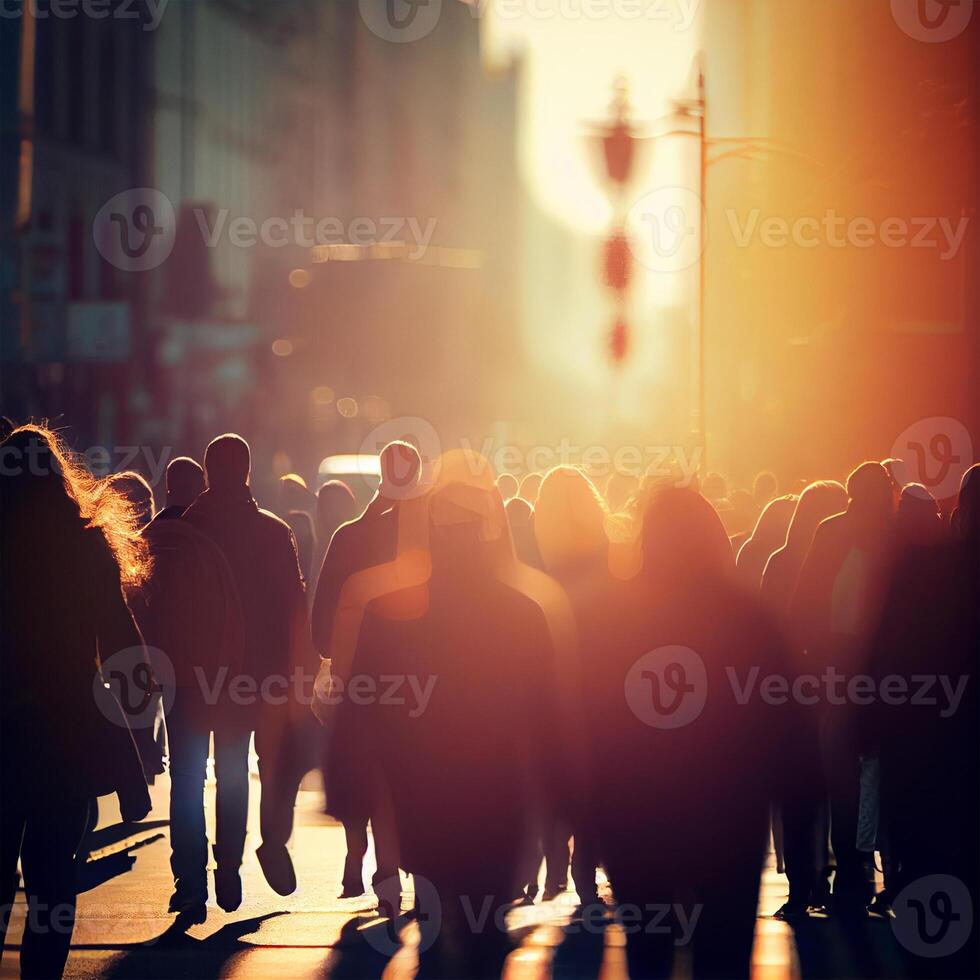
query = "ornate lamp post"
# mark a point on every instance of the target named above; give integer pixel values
(619, 141)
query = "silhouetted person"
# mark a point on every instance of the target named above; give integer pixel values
(688, 768)
(6, 427)
(352, 775)
(185, 483)
(918, 520)
(295, 495)
(137, 491)
(530, 485)
(69, 542)
(508, 486)
(802, 837)
(930, 628)
(570, 531)
(520, 517)
(335, 505)
(460, 770)
(835, 607)
(817, 502)
(261, 556)
(768, 535)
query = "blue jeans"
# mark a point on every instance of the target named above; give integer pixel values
(189, 740)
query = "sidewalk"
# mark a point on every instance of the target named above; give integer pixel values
(122, 927)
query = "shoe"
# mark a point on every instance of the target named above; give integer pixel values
(277, 866)
(881, 906)
(790, 912)
(228, 888)
(352, 887)
(388, 909)
(190, 907)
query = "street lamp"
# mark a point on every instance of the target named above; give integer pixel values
(619, 141)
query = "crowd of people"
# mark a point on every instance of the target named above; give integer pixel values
(634, 682)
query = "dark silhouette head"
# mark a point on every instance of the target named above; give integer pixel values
(185, 481)
(467, 520)
(870, 492)
(818, 501)
(569, 519)
(401, 467)
(137, 491)
(227, 463)
(764, 488)
(530, 486)
(508, 486)
(519, 512)
(335, 505)
(919, 518)
(295, 495)
(6, 427)
(683, 539)
(968, 505)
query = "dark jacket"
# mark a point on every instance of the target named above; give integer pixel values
(63, 734)
(260, 552)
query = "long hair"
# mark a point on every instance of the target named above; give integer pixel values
(569, 519)
(683, 538)
(819, 500)
(45, 482)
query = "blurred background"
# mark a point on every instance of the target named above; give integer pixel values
(452, 258)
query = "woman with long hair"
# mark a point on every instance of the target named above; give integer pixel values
(768, 534)
(818, 501)
(70, 544)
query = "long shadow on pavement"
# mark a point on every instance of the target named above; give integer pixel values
(175, 954)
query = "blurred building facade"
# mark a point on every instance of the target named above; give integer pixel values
(820, 356)
(242, 113)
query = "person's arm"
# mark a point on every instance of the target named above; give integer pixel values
(301, 650)
(116, 628)
(333, 574)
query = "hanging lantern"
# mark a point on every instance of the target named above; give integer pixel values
(619, 341)
(616, 263)
(619, 139)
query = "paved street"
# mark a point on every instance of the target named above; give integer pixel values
(122, 930)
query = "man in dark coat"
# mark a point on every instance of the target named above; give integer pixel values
(258, 580)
